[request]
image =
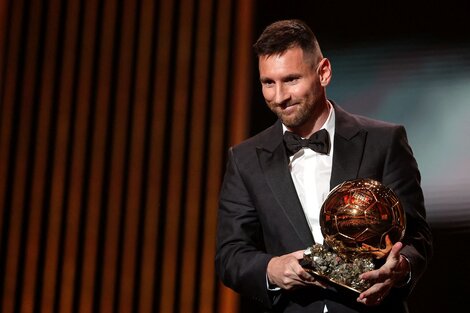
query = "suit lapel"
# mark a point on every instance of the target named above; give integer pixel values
(274, 163)
(348, 148)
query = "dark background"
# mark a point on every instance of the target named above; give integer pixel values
(339, 25)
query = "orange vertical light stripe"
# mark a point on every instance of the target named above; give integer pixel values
(239, 118)
(214, 175)
(96, 180)
(194, 176)
(77, 183)
(242, 72)
(146, 273)
(118, 131)
(175, 183)
(60, 155)
(24, 144)
(4, 10)
(157, 150)
(134, 169)
(41, 156)
(7, 101)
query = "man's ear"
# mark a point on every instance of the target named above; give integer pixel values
(324, 72)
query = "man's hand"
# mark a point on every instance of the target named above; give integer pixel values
(285, 272)
(393, 273)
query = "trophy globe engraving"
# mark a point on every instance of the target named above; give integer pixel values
(360, 221)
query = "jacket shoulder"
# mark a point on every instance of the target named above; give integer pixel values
(267, 138)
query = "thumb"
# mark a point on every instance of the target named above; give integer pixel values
(298, 254)
(395, 252)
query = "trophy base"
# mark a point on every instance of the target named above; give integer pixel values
(329, 266)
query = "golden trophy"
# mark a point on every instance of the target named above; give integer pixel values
(360, 221)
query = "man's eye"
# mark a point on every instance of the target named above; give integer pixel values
(267, 84)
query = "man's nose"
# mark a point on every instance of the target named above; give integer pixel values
(282, 95)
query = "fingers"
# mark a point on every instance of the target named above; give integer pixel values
(375, 275)
(286, 272)
(374, 295)
(305, 276)
(370, 301)
(310, 279)
(381, 286)
(379, 275)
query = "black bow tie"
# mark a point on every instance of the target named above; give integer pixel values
(319, 142)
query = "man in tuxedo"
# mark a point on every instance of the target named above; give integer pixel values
(276, 182)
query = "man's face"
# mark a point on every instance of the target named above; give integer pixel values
(291, 87)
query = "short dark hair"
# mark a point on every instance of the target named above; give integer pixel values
(283, 35)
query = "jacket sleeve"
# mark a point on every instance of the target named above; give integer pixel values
(401, 174)
(240, 260)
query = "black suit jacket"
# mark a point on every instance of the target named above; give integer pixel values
(260, 215)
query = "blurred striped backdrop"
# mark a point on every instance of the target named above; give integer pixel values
(115, 117)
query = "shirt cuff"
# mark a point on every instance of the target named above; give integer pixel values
(270, 286)
(409, 274)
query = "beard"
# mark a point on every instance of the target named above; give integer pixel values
(302, 114)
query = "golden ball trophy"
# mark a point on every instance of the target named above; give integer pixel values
(360, 221)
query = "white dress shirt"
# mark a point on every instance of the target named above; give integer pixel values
(311, 173)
